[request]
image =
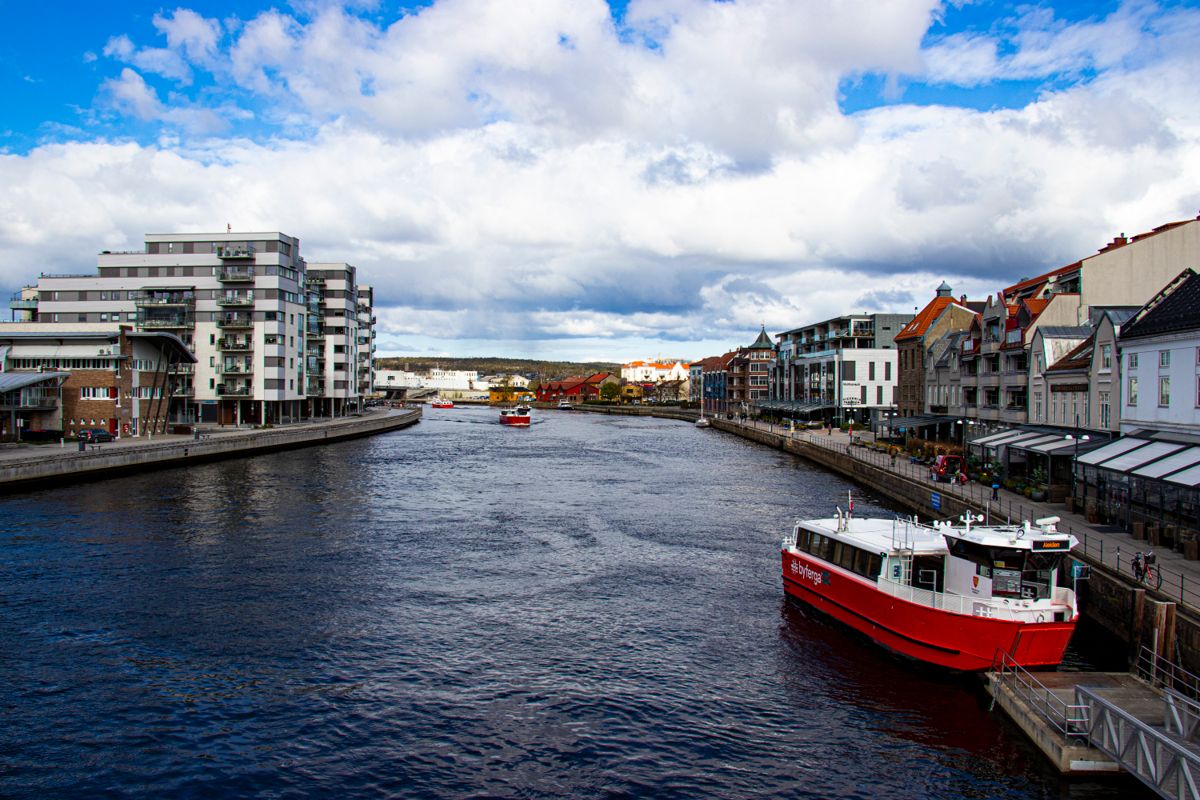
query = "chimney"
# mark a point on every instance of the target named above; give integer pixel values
(963, 300)
(1118, 241)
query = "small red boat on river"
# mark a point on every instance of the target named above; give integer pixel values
(516, 416)
(440, 403)
(955, 596)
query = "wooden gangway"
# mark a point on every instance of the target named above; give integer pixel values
(1145, 722)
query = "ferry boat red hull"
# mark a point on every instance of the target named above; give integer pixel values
(951, 640)
(442, 404)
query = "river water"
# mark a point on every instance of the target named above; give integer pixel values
(590, 607)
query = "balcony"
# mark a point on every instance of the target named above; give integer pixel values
(235, 321)
(314, 388)
(233, 390)
(182, 369)
(236, 274)
(19, 303)
(232, 368)
(165, 321)
(234, 344)
(236, 251)
(233, 299)
(166, 297)
(314, 333)
(183, 391)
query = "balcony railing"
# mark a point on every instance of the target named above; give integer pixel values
(235, 274)
(314, 388)
(151, 298)
(179, 321)
(230, 344)
(19, 303)
(232, 391)
(235, 300)
(235, 321)
(236, 251)
(317, 333)
(235, 369)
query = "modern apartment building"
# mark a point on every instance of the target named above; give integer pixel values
(843, 369)
(244, 304)
(333, 381)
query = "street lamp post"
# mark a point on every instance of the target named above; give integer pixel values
(1075, 464)
(962, 431)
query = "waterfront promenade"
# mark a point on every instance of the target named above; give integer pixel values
(31, 465)
(1108, 545)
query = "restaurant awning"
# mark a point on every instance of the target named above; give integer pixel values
(994, 439)
(1034, 441)
(1141, 455)
(1111, 450)
(1188, 477)
(922, 421)
(1171, 464)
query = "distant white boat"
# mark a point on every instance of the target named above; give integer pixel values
(564, 405)
(702, 423)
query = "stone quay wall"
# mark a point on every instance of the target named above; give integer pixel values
(56, 467)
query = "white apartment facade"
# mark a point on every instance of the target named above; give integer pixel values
(241, 303)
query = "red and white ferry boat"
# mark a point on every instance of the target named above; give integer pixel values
(950, 595)
(441, 403)
(515, 416)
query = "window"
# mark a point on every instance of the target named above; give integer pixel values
(1132, 394)
(848, 370)
(1106, 357)
(1133, 360)
(1105, 412)
(871, 371)
(1164, 390)
(1164, 358)
(878, 395)
(1037, 406)
(887, 370)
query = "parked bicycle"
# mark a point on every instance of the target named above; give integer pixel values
(1146, 571)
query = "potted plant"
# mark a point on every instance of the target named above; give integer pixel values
(1038, 489)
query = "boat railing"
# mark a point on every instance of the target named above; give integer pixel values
(1069, 719)
(971, 606)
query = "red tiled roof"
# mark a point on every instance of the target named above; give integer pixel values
(1031, 283)
(921, 322)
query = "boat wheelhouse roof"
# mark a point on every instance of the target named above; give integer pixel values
(881, 535)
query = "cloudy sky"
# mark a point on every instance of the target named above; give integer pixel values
(588, 180)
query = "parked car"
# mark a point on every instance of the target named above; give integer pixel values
(948, 468)
(96, 435)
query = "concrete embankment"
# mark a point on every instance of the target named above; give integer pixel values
(53, 466)
(640, 411)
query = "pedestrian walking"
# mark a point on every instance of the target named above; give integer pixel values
(995, 489)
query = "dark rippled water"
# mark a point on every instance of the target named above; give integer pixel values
(588, 608)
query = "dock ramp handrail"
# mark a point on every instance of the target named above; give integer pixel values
(1162, 672)
(1154, 757)
(1069, 720)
